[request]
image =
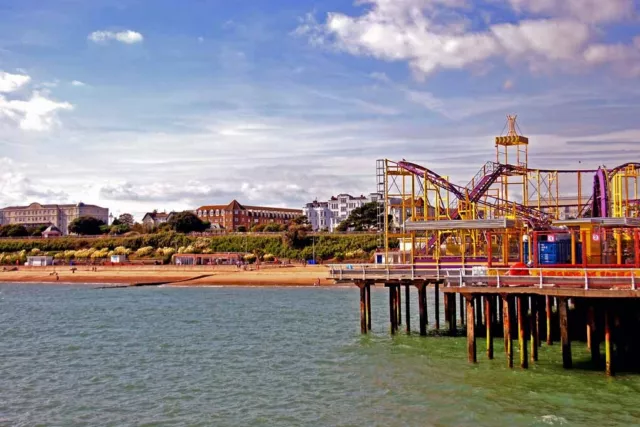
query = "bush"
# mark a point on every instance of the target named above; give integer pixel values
(145, 252)
(250, 258)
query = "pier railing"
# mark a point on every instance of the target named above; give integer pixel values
(575, 278)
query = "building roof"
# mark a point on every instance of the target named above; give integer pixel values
(52, 229)
(349, 196)
(51, 206)
(156, 215)
(235, 205)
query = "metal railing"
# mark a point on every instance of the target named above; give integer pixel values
(574, 278)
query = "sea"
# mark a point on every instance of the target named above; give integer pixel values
(240, 356)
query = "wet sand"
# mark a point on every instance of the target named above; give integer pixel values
(172, 275)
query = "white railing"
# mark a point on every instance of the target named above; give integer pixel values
(575, 278)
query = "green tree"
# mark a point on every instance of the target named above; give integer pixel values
(13, 230)
(127, 219)
(296, 235)
(360, 219)
(241, 229)
(86, 225)
(301, 220)
(186, 222)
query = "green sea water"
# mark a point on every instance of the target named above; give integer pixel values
(76, 356)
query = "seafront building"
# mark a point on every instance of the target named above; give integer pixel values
(328, 215)
(154, 219)
(234, 215)
(60, 216)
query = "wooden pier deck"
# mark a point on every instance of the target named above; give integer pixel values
(598, 306)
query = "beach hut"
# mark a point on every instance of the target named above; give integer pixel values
(51, 231)
(39, 261)
(118, 259)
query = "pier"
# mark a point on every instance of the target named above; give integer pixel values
(592, 309)
(541, 256)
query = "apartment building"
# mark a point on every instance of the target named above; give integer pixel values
(37, 214)
(328, 215)
(235, 214)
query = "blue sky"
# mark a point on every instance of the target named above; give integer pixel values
(139, 105)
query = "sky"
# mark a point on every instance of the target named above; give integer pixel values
(138, 105)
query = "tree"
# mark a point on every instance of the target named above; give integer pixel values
(186, 222)
(86, 225)
(361, 218)
(127, 219)
(296, 235)
(241, 229)
(301, 220)
(273, 228)
(13, 230)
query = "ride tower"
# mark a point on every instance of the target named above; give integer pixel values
(512, 149)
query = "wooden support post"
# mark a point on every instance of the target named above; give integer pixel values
(487, 319)
(393, 316)
(461, 310)
(593, 343)
(368, 287)
(548, 313)
(506, 327)
(608, 345)
(564, 333)
(452, 313)
(533, 328)
(363, 309)
(437, 304)
(399, 304)
(447, 312)
(422, 307)
(539, 305)
(407, 307)
(471, 334)
(500, 314)
(522, 338)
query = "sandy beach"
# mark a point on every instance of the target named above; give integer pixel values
(172, 275)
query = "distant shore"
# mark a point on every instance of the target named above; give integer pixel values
(171, 275)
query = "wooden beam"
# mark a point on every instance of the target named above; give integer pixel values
(363, 312)
(533, 329)
(608, 345)
(437, 304)
(471, 335)
(422, 307)
(488, 325)
(548, 323)
(407, 307)
(506, 327)
(522, 338)
(564, 333)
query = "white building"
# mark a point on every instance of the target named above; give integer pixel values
(327, 215)
(59, 215)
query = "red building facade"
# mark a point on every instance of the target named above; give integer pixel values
(235, 215)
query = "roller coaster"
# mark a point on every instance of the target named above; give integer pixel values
(508, 210)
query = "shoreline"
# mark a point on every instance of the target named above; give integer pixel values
(310, 276)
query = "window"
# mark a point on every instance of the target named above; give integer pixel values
(235, 212)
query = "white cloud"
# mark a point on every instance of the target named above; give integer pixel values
(17, 188)
(434, 35)
(39, 113)
(77, 83)
(127, 36)
(12, 82)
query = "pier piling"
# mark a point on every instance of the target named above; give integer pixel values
(488, 321)
(399, 304)
(393, 315)
(522, 338)
(548, 323)
(506, 327)
(422, 307)
(471, 335)
(368, 302)
(437, 304)
(564, 333)
(363, 309)
(608, 348)
(461, 310)
(407, 307)
(533, 328)
(593, 341)
(452, 314)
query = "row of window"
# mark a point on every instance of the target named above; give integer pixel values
(218, 212)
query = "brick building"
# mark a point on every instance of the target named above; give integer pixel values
(235, 215)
